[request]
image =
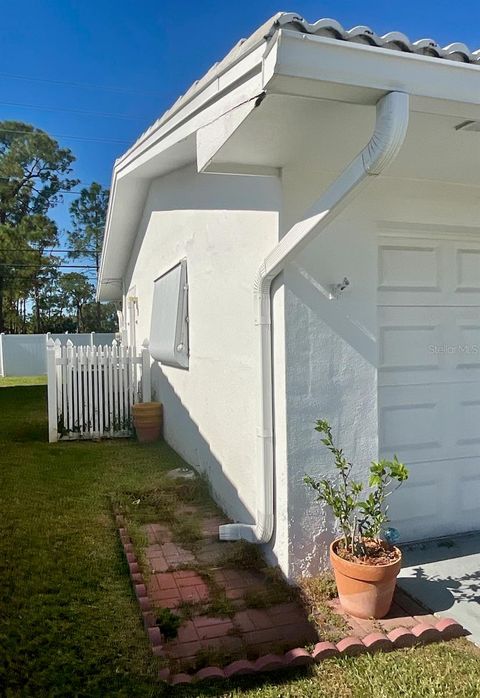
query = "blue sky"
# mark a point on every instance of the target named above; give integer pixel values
(142, 55)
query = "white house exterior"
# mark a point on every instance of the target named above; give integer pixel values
(254, 164)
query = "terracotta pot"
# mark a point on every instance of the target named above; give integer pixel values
(365, 591)
(148, 421)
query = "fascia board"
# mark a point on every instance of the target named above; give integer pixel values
(242, 94)
(222, 83)
(346, 63)
(240, 82)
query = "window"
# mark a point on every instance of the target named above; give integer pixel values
(169, 328)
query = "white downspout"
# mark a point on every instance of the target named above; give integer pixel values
(384, 145)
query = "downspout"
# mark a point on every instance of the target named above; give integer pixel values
(384, 145)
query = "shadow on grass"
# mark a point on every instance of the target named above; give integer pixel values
(24, 413)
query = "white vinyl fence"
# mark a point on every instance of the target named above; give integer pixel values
(91, 389)
(26, 355)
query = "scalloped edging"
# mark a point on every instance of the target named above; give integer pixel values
(420, 634)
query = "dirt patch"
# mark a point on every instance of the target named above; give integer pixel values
(375, 553)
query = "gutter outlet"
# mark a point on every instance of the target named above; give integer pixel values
(384, 145)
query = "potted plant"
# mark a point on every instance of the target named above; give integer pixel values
(365, 564)
(148, 421)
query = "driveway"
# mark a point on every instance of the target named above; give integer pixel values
(444, 576)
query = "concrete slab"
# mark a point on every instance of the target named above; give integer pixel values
(444, 576)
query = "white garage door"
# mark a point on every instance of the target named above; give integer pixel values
(429, 380)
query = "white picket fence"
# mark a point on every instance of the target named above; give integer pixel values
(91, 389)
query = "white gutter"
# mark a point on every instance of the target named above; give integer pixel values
(384, 145)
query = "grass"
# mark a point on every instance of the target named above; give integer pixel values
(275, 591)
(168, 622)
(12, 381)
(69, 622)
(244, 555)
(316, 592)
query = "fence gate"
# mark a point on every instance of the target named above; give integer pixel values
(91, 389)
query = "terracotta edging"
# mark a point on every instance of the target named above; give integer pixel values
(420, 634)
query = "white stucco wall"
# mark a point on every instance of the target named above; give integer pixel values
(331, 346)
(224, 226)
(324, 352)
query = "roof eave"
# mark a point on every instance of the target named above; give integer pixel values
(344, 71)
(345, 63)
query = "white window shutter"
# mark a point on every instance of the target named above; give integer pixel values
(169, 326)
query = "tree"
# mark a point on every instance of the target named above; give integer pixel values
(78, 292)
(34, 171)
(89, 213)
(107, 322)
(41, 233)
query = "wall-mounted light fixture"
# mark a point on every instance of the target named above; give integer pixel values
(337, 289)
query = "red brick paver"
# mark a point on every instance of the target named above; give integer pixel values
(254, 639)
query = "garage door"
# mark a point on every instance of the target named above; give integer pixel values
(429, 380)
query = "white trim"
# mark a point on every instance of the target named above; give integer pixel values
(427, 231)
(312, 60)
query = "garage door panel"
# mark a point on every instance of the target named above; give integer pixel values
(408, 423)
(407, 268)
(437, 501)
(421, 423)
(436, 341)
(415, 508)
(466, 488)
(417, 271)
(467, 269)
(429, 381)
(467, 417)
(466, 342)
(407, 338)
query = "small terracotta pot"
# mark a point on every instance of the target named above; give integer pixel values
(365, 591)
(148, 421)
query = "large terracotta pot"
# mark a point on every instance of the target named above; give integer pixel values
(148, 421)
(365, 591)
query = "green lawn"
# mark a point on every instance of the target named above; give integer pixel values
(69, 624)
(11, 381)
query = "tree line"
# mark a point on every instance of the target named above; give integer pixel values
(44, 283)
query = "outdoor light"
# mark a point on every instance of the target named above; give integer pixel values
(337, 289)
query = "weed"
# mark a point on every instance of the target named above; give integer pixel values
(215, 656)
(168, 622)
(316, 593)
(243, 555)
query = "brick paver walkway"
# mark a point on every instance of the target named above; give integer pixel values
(235, 621)
(405, 613)
(249, 632)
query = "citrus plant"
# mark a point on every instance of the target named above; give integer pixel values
(359, 519)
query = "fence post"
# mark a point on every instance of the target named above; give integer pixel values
(92, 339)
(52, 392)
(146, 377)
(2, 372)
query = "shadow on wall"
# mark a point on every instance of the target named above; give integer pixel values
(187, 440)
(336, 314)
(331, 363)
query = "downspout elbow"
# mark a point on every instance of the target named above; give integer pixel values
(389, 134)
